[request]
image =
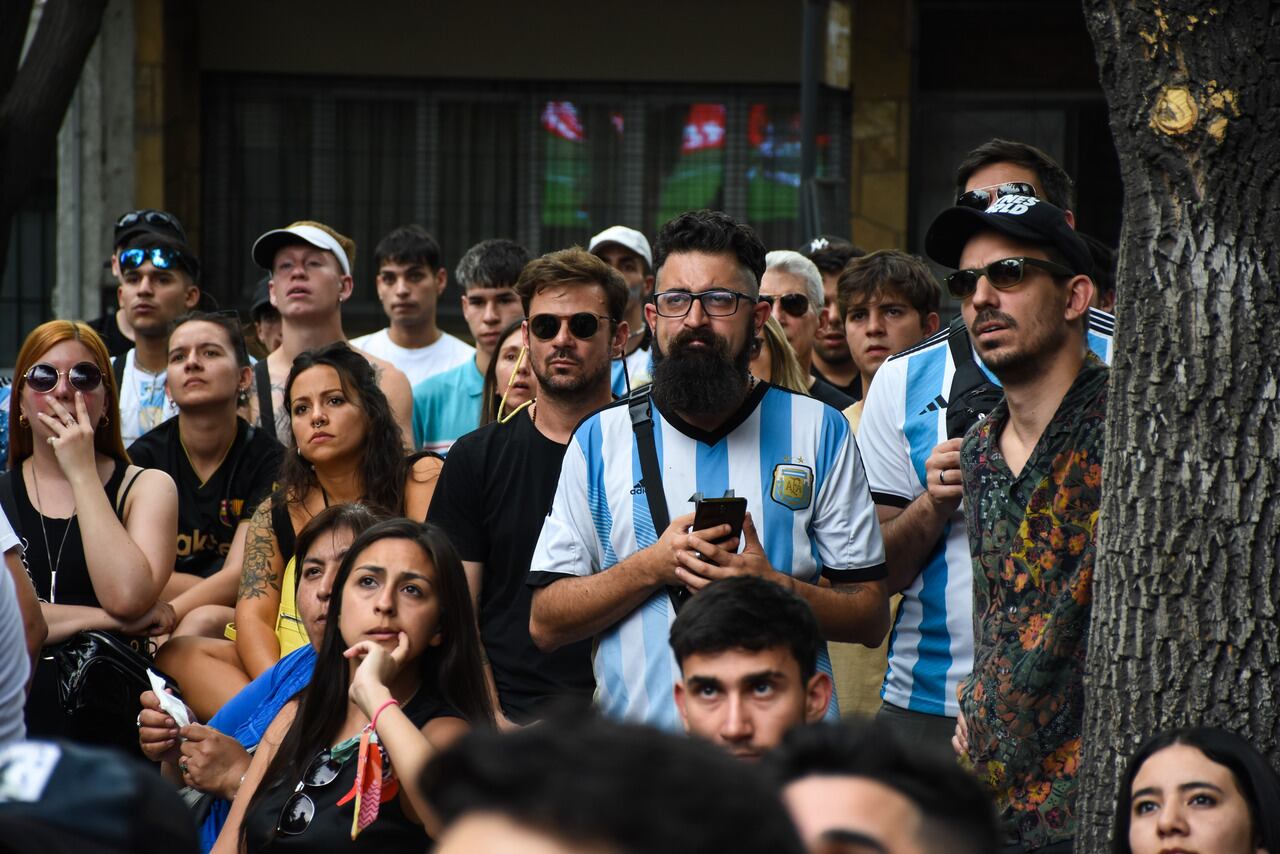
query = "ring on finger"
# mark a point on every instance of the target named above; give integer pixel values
(182, 766)
(941, 476)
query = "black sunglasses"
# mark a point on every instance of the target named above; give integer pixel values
(983, 197)
(160, 258)
(1002, 274)
(796, 305)
(582, 325)
(43, 377)
(151, 217)
(299, 810)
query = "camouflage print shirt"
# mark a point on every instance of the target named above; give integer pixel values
(1033, 539)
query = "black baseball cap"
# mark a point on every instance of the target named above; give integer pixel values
(147, 221)
(261, 299)
(1024, 218)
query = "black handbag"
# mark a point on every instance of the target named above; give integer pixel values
(101, 676)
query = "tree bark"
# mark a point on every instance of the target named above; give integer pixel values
(34, 95)
(1184, 613)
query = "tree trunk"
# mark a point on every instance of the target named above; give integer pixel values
(34, 95)
(1185, 597)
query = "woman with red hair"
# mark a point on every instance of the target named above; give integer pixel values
(100, 533)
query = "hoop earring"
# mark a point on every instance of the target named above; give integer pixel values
(22, 419)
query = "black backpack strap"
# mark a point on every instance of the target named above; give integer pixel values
(117, 368)
(972, 395)
(266, 413)
(640, 408)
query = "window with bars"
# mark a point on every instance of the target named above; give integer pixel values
(547, 165)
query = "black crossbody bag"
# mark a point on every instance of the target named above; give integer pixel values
(640, 407)
(973, 396)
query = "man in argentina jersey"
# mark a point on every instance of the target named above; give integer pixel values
(601, 568)
(903, 438)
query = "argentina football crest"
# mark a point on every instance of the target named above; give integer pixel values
(792, 485)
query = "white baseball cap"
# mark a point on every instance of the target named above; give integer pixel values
(266, 246)
(628, 238)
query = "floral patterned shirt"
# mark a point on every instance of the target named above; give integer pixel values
(1033, 539)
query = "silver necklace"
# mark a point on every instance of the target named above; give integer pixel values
(48, 555)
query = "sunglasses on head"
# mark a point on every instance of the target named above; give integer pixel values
(983, 197)
(160, 258)
(796, 305)
(43, 377)
(582, 325)
(1002, 274)
(150, 217)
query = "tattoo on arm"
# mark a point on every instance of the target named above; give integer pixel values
(259, 548)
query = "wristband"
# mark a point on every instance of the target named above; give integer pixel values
(373, 721)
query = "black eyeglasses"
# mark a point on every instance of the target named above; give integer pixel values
(1002, 274)
(715, 303)
(151, 217)
(299, 810)
(982, 197)
(160, 258)
(582, 325)
(43, 377)
(796, 305)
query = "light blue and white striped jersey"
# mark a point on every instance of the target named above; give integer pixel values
(792, 457)
(903, 418)
(638, 371)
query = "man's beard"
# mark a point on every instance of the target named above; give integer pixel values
(700, 381)
(1028, 358)
(570, 388)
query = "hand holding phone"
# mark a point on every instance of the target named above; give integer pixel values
(713, 512)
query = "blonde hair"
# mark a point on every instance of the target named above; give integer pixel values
(348, 245)
(106, 437)
(784, 367)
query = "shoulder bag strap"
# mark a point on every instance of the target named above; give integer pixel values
(651, 476)
(968, 375)
(117, 368)
(266, 414)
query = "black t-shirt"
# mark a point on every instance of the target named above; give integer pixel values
(853, 389)
(209, 512)
(493, 495)
(109, 330)
(829, 394)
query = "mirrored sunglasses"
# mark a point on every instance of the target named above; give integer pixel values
(983, 197)
(43, 377)
(299, 810)
(160, 258)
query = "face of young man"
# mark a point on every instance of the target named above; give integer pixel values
(885, 324)
(307, 282)
(826, 808)
(702, 358)
(631, 266)
(152, 298)
(746, 700)
(800, 330)
(487, 312)
(1019, 330)
(409, 292)
(830, 344)
(567, 366)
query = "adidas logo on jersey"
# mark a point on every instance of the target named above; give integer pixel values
(638, 489)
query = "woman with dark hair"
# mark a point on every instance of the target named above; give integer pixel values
(101, 533)
(213, 759)
(509, 384)
(397, 679)
(344, 446)
(1198, 789)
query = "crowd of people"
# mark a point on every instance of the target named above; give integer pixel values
(697, 546)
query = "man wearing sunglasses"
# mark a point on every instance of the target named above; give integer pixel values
(158, 282)
(602, 568)
(1031, 475)
(832, 360)
(498, 481)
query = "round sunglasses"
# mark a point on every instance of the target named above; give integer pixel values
(983, 197)
(796, 305)
(1002, 275)
(43, 377)
(582, 325)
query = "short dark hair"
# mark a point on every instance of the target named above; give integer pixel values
(408, 244)
(830, 254)
(956, 814)
(573, 265)
(888, 270)
(494, 263)
(1058, 189)
(1254, 776)
(357, 517)
(229, 321)
(749, 613)
(629, 788)
(714, 232)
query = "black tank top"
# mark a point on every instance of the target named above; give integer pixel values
(330, 828)
(74, 586)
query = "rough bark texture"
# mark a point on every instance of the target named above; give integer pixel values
(1185, 597)
(34, 95)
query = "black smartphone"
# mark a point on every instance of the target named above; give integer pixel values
(710, 512)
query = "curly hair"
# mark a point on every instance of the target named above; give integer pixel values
(383, 464)
(712, 232)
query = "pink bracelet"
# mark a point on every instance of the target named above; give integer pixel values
(373, 721)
